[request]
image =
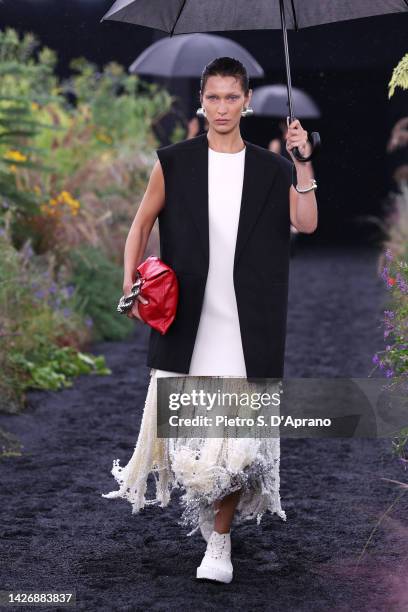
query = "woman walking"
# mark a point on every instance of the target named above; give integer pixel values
(224, 207)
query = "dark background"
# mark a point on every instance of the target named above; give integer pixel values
(345, 67)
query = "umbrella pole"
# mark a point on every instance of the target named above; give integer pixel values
(286, 47)
(314, 137)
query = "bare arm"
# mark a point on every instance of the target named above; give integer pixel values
(303, 206)
(138, 236)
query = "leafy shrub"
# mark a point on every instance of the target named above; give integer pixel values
(393, 268)
(41, 326)
(99, 283)
(54, 367)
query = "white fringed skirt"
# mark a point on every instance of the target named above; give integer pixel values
(204, 469)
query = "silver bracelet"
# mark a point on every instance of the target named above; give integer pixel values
(314, 186)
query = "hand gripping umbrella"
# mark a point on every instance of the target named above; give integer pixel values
(185, 17)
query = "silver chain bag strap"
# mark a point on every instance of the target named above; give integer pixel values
(126, 301)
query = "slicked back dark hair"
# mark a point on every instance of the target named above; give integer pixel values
(226, 66)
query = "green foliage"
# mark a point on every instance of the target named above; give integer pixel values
(16, 126)
(24, 83)
(53, 142)
(395, 357)
(24, 71)
(399, 76)
(120, 106)
(393, 360)
(99, 283)
(41, 327)
(54, 367)
(74, 160)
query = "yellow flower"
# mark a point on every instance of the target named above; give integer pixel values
(35, 106)
(66, 199)
(15, 155)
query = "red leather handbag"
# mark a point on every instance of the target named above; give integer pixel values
(158, 283)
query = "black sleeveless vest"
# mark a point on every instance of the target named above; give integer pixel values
(261, 264)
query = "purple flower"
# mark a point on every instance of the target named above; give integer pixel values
(66, 312)
(70, 289)
(384, 274)
(388, 254)
(389, 326)
(53, 288)
(88, 322)
(40, 294)
(376, 359)
(2, 231)
(402, 284)
(404, 462)
(389, 373)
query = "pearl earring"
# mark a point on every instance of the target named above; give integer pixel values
(244, 113)
(247, 111)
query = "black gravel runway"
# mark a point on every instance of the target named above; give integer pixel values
(58, 533)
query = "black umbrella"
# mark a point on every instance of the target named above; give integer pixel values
(182, 17)
(162, 58)
(272, 101)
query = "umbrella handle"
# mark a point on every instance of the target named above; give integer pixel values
(314, 139)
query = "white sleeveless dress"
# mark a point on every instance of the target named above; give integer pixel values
(224, 464)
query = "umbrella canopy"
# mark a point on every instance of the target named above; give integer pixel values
(272, 101)
(187, 54)
(181, 17)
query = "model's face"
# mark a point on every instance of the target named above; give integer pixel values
(223, 100)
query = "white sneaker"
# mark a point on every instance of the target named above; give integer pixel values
(216, 563)
(206, 520)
